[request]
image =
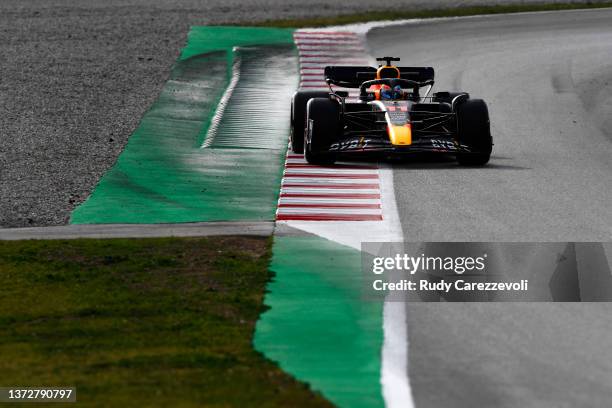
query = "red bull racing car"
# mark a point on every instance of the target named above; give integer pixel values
(394, 114)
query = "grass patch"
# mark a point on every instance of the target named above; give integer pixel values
(141, 322)
(427, 13)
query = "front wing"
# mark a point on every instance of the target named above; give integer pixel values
(429, 144)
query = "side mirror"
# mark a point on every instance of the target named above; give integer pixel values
(367, 96)
(441, 95)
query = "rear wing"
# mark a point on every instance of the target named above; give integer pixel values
(353, 76)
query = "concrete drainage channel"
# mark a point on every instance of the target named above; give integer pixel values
(212, 148)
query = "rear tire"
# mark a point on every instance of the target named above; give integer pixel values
(473, 130)
(323, 129)
(298, 117)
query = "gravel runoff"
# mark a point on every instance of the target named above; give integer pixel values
(76, 79)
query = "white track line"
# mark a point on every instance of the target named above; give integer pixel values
(395, 379)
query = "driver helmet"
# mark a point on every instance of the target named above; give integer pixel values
(397, 92)
(386, 92)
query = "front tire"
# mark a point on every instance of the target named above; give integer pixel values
(298, 117)
(474, 131)
(322, 130)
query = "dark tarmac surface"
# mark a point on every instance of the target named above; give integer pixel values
(547, 80)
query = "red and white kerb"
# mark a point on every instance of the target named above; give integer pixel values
(317, 49)
(342, 192)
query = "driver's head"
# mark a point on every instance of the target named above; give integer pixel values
(386, 92)
(397, 92)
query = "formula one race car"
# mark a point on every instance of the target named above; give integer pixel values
(392, 116)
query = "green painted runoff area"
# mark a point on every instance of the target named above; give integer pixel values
(163, 175)
(318, 328)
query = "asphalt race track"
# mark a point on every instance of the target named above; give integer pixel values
(547, 78)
